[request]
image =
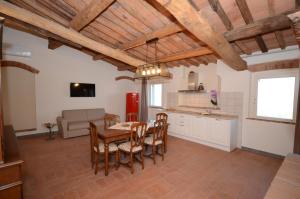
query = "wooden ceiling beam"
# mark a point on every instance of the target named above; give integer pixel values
(278, 34)
(217, 7)
(14, 12)
(186, 54)
(295, 18)
(160, 33)
(247, 16)
(89, 13)
(54, 44)
(99, 57)
(283, 64)
(263, 26)
(16, 24)
(188, 17)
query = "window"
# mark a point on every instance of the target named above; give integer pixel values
(275, 97)
(156, 95)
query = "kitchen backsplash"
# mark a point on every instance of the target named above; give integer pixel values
(228, 102)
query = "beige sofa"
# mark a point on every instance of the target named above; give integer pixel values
(74, 123)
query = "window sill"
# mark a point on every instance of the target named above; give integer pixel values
(267, 120)
(156, 107)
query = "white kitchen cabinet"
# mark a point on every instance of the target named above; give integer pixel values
(220, 131)
(215, 132)
(199, 128)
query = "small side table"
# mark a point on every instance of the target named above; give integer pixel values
(50, 126)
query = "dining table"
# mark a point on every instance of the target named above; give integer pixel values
(117, 132)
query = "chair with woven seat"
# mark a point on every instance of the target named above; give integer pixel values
(157, 139)
(160, 116)
(164, 116)
(135, 145)
(98, 148)
(131, 117)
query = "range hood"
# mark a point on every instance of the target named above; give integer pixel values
(193, 86)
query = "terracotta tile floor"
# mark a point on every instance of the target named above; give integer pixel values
(61, 169)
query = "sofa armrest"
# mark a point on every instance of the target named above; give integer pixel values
(62, 125)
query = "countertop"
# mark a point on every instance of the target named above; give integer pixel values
(211, 115)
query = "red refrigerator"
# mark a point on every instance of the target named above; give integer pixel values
(132, 103)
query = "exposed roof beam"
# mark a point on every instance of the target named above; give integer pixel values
(11, 11)
(160, 33)
(188, 17)
(295, 18)
(216, 6)
(98, 57)
(278, 34)
(246, 14)
(38, 32)
(186, 54)
(54, 44)
(283, 64)
(263, 26)
(89, 13)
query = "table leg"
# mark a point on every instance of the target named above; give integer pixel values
(166, 142)
(106, 158)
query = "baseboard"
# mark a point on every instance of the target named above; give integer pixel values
(262, 153)
(25, 130)
(42, 134)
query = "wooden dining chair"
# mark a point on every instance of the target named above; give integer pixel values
(135, 145)
(160, 116)
(164, 116)
(97, 148)
(131, 117)
(157, 139)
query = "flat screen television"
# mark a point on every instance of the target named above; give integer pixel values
(82, 90)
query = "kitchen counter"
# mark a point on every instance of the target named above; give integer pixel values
(211, 115)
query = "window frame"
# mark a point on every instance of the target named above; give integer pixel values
(149, 96)
(269, 75)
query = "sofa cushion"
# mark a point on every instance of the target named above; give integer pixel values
(75, 115)
(78, 125)
(95, 114)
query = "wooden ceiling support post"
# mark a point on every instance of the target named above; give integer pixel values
(189, 18)
(1, 108)
(295, 18)
(247, 16)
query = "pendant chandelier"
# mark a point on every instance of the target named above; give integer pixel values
(154, 69)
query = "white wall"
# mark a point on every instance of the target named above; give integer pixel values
(60, 67)
(20, 115)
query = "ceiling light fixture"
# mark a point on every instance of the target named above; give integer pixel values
(152, 69)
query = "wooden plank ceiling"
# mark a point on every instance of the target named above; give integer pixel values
(219, 26)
